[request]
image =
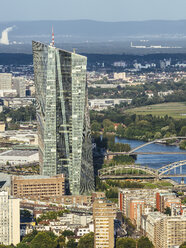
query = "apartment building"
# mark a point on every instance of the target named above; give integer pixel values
(5, 81)
(19, 83)
(125, 196)
(9, 219)
(164, 231)
(166, 199)
(135, 209)
(103, 215)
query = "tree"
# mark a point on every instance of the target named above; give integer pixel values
(29, 237)
(86, 241)
(157, 135)
(120, 131)
(22, 245)
(125, 243)
(167, 211)
(183, 144)
(123, 159)
(107, 123)
(43, 240)
(183, 245)
(68, 233)
(144, 242)
(61, 241)
(95, 126)
(51, 215)
(183, 131)
(71, 243)
(6, 246)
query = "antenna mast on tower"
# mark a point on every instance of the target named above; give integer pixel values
(52, 36)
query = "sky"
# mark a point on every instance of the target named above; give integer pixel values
(101, 10)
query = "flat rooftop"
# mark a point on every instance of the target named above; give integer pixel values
(18, 153)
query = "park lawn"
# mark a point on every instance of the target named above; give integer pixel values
(159, 184)
(176, 110)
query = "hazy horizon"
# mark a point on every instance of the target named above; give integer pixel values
(93, 20)
(98, 10)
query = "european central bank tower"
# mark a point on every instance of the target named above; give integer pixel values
(63, 118)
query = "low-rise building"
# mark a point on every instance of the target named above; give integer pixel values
(81, 231)
(38, 187)
(16, 103)
(76, 200)
(100, 104)
(2, 126)
(120, 76)
(28, 137)
(15, 157)
(165, 93)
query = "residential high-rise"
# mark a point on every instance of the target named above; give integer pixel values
(9, 219)
(20, 85)
(165, 231)
(65, 145)
(5, 81)
(104, 214)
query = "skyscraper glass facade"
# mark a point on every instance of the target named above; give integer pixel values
(63, 119)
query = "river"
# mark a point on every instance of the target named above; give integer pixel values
(156, 161)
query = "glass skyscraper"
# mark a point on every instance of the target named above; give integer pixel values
(63, 118)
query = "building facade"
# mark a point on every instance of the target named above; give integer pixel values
(63, 119)
(139, 197)
(165, 231)
(38, 187)
(5, 81)
(19, 83)
(9, 219)
(103, 216)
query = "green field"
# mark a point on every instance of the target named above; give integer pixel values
(174, 109)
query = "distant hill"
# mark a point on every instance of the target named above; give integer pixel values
(91, 31)
(107, 59)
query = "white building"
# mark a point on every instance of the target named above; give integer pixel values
(76, 219)
(100, 104)
(164, 231)
(14, 157)
(165, 93)
(9, 219)
(5, 81)
(8, 93)
(119, 64)
(120, 76)
(19, 83)
(81, 231)
(28, 137)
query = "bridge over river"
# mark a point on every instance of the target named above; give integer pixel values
(163, 140)
(171, 169)
(142, 172)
